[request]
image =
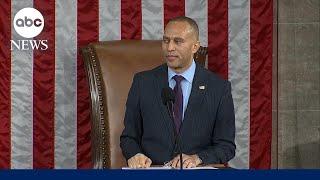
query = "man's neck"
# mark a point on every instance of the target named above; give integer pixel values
(183, 69)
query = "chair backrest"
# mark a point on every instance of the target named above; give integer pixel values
(110, 67)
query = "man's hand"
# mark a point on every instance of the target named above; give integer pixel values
(189, 161)
(139, 161)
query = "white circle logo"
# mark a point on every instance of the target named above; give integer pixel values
(28, 22)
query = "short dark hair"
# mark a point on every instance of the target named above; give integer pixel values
(193, 24)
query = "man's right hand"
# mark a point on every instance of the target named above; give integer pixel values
(139, 161)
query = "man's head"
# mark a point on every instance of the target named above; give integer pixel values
(180, 42)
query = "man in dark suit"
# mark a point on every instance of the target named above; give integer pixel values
(203, 112)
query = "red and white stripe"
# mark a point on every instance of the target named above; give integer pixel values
(65, 155)
(21, 99)
(44, 97)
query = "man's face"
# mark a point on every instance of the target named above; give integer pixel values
(178, 45)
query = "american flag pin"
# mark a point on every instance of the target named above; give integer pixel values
(202, 87)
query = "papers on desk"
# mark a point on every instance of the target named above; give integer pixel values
(203, 167)
(169, 168)
(149, 168)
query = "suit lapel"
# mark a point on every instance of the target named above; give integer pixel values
(198, 90)
(195, 99)
(160, 82)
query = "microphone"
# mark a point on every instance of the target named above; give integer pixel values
(168, 96)
(168, 99)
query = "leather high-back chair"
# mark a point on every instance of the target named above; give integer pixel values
(110, 67)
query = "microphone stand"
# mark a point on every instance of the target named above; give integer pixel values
(177, 138)
(180, 151)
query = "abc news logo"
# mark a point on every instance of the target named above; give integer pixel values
(28, 23)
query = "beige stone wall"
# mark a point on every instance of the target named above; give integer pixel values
(296, 84)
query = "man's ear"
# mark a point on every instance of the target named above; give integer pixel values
(195, 47)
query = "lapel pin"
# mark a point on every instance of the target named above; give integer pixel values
(202, 87)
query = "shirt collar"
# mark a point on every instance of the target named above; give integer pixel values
(187, 74)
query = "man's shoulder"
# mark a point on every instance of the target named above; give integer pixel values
(213, 77)
(152, 72)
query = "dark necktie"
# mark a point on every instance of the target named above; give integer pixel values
(178, 104)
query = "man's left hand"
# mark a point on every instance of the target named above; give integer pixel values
(189, 161)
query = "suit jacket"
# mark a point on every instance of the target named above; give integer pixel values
(208, 128)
